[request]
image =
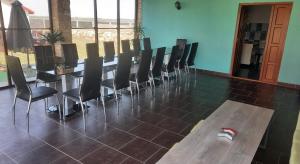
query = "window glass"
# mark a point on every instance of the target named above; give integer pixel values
(36, 10)
(107, 13)
(107, 35)
(82, 13)
(81, 37)
(127, 13)
(3, 70)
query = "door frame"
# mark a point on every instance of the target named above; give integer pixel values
(235, 44)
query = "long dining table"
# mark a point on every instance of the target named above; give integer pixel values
(67, 82)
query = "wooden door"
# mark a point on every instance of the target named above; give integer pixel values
(275, 42)
(240, 33)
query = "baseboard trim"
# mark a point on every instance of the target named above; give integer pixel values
(288, 85)
(226, 75)
(220, 74)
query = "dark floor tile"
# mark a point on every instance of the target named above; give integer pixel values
(44, 154)
(65, 160)
(174, 125)
(167, 139)
(194, 117)
(104, 155)
(96, 130)
(5, 160)
(157, 156)
(131, 161)
(80, 147)
(61, 137)
(151, 118)
(187, 130)
(173, 113)
(125, 123)
(20, 144)
(146, 131)
(44, 129)
(116, 138)
(140, 149)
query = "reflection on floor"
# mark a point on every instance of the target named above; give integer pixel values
(141, 132)
(250, 72)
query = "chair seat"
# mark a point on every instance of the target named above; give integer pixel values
(47, 78)
(109, 83)
(38, 93)
(77, 74)
(73, 94)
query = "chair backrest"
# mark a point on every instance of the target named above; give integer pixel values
(144, 66)
(147, 43)
(44, 58)
(186, 51)
(172, 60)
(123, 71)
(159, 61)
(109, 51)
(16, 72)
(70, 54)
(181, 43)
(192, 55)
(136, 47)
(91, 84)
(92, 50)
(125, 46)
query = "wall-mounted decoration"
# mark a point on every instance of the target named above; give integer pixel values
(178, 5)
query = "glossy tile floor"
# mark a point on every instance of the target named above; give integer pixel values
(141, 132)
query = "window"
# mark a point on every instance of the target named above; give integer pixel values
(82, 17)
(3, 70)
(38, 16)
(107, 13)
(127, 19)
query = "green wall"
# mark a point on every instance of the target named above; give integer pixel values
(212, 24)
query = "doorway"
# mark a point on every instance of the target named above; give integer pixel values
(259, 40)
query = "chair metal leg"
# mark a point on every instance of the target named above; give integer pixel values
(27, 113)
(45, 104)
(104, 109)
(14, 109)
(83, 114)
(59, 108)
(138, 87)
(64, 102)
(116, 93)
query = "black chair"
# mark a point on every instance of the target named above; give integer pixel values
(23, 91)
(181, 43)
(142, 75)
(156, 72)
(71, 59)
(181, 46)
(147, 43)
(126, 46)
(109, 51)
(136, 47)
(121, 76)
(191, 58)
(90, 87)
(70, 54)
(92, 50)
(45, 61)
(183, 60)
(170, 67)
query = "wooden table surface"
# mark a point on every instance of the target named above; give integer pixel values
(204, 147)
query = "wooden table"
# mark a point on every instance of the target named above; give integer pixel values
(204, 147)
